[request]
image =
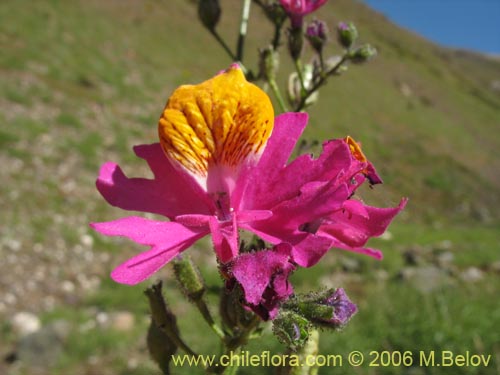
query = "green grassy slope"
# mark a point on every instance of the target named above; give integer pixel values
(84, 81)
(435, 142)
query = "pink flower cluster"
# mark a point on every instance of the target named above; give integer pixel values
(303, 207)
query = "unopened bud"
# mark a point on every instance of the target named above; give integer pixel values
(317, 34)
(269, 63)
(291, 329)
(189, 278)
(347, 34)
(362, 54)
(163, 332)
(331, 309)
(209, 13)
(160, 347)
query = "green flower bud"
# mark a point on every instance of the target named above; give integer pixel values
(331, 309)
(163, 332)
(160, 347)
(362, 54)
(347, 34)
(269, 63)
(291, 329)
(209, 13)
(189, 278)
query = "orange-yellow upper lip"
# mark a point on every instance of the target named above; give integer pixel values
(220, 121)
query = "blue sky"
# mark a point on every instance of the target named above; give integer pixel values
(469, 24)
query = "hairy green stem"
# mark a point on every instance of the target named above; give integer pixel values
(203, 309)
(163, 318)
(278, 96)
(298, 68)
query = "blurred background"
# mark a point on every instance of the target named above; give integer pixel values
(84, 81)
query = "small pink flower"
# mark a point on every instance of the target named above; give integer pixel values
(217, 170)
(263, 277)
(297, 9)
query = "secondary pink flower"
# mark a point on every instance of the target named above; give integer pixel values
(297, 9)
(216, 172)
(263, 277)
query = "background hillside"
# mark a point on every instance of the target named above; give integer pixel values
(84, 81)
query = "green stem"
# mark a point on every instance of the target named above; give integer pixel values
(298, 68)
(233, 57)
(277, 36)
(163, 318)
(277, 93)
(320, 83)
(321, 61)
(245, 15)
(238, 341)
(203, 308)
(224, 45)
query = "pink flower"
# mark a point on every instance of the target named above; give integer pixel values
(297, 9)
(216, 171)
(263, 277)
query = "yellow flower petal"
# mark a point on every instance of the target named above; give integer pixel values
(221, 121)
(355, 149)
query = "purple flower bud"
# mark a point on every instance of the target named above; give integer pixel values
(347, 34)
(343, 26)
(317, 34)
(331, 309)
(343, 308)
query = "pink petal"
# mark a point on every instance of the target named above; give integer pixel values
(312, 5)
(315, 201)
(170, 193)
(354, 230)
(287, 129)
(167, 239)
(355, 207)
(374, 253)
(308, 251)
(269, 190)
(193, 220)
(255, 270)
(253, 215)
(225, 238)
(307, 248)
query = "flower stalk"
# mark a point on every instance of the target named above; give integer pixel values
(245, 15)
(164, 319)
